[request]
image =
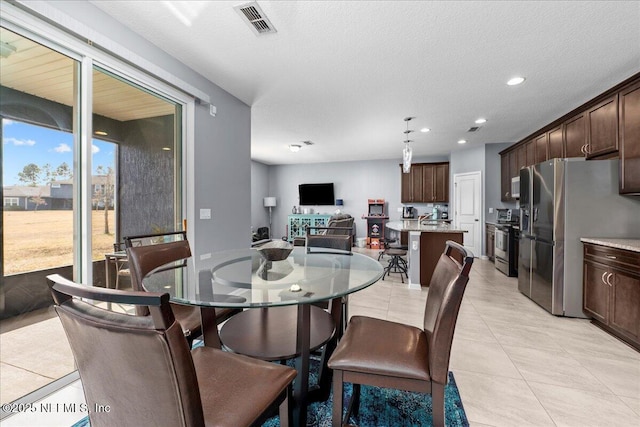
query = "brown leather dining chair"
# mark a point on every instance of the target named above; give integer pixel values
(150, 251)
(142, 368)
(393, 355)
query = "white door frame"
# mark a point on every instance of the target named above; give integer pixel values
(477, 250)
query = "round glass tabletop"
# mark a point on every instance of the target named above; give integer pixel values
(243, 278)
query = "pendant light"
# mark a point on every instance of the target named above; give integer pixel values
(407, 152)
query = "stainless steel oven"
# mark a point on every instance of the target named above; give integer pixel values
(505, 250)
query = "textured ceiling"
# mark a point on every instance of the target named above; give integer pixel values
(344, 74)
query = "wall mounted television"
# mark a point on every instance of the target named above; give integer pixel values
(316, 194)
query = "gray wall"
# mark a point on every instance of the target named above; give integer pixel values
(222, 143)
(354, 182)
(259, 190)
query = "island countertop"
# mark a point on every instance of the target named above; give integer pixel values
(429, 227)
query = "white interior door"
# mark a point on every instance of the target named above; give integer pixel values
(467, 197)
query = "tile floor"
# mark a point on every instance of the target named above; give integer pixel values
(515, 364)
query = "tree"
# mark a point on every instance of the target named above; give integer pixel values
(41, 176)
(106, 193)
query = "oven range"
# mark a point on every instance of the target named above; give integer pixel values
(506, 248)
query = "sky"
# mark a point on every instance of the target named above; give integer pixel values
(23, 143)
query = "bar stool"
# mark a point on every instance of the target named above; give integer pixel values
(396, 264)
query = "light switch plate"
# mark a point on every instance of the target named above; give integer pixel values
(205, 213)
(490, 210)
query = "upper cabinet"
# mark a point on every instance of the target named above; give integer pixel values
(602, 128)
(505, 177)
(541, 147)
(608, 126)
(555, 145)
(629, 110)
(575, 136)
(426, 183)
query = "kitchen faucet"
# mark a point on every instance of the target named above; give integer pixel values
(423, 217)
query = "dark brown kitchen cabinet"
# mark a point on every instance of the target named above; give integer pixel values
(490, 241)
(514, 164)
(406, 193)
(554, 137)
(575, 136)
(602, 128)
(540, 145)
(417, 171)
(629, 110)
(426, 183)
(441, 183)
(525, 156)
(505, 177)
(611, 290)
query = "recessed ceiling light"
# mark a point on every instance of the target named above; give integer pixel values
(101, 133)
(462, 141)
(425, 130)
(481, 121)
(166, 149)
(515, 81)
(294, 147)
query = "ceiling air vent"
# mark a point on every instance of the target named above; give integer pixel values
(474, 129)
(255, 18)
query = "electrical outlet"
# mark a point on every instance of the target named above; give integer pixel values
(399, 210)
(213, 110)
(490, 210)
(205, 256)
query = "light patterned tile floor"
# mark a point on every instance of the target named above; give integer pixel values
(515, 364)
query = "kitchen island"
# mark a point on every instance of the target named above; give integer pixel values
(426, 242)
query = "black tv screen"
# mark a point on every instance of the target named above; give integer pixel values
(316, 194)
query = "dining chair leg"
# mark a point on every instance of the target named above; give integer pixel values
(354, 407)
(336, 417)
(437, 404)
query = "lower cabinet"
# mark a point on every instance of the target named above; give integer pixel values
(490, 241)
(611, 290)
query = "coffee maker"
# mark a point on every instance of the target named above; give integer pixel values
(407, 212)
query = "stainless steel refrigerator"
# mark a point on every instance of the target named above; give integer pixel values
(562, 200)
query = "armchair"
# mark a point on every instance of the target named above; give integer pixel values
(338, 234)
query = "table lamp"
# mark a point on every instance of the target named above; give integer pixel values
(270, 202)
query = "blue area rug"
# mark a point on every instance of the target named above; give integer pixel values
(388, 407)
(378, 407)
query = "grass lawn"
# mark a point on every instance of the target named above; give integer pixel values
(35, 240)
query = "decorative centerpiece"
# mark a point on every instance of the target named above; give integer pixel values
(276, 250)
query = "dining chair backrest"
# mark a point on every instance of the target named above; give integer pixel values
(140, 366)
(446, 289)
(149, 252)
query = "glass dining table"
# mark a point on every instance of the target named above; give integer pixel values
(244, 279)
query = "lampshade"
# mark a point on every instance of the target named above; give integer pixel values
(269, 202)
(339, 202)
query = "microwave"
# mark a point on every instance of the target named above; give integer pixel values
(515, 187)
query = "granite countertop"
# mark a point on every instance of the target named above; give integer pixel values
(414, 225)
(627, 244)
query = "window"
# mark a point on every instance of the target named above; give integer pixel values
(42, 125)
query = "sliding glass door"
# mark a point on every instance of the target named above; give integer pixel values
(77, 177)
